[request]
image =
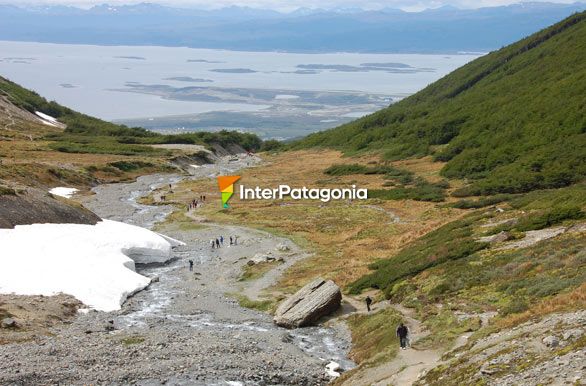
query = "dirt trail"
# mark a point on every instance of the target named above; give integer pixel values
(9, 115)
(408, 364)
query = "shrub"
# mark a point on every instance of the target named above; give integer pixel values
(421, 192)
(271, 145)
(452, 241)
(127, 166)
(552, 217)
(481, 203)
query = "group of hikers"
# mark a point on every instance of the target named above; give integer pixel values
(196, 202)
(219, 241)
(402, 330)
(216, 244)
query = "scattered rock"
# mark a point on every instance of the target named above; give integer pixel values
(155, 279)
(498, 238)
(317, 299)
(551, 341)
(487, 371)
(573, 334)
(282, 247)
(109, 326)
(533, 237)
(578, 228)
(506, 222)
(262, 258)
(333, 369)
(8, 323)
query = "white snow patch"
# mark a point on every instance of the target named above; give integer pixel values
(63, 192)
(170, 240)
(91, 262)
(47, 119)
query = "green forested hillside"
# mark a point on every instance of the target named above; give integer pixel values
(511, 121)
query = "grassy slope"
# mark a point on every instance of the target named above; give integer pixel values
(512, 121)
(34, 154)
(86, 134)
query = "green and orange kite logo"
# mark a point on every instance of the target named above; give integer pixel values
(226, 184)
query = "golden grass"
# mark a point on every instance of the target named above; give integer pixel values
(32, 163)
(570, 301)
(345, 236)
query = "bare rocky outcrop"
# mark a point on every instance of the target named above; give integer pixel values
(497, 238)
(37, 207)
(533, 237)
(317, 299)
(544, 350)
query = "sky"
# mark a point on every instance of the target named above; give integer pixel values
(289, 5)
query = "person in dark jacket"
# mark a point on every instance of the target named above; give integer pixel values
(191, 265)
(368, 301)
(402, 334)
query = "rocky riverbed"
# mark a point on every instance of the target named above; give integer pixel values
(185, 329)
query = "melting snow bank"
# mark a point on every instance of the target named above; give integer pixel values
(47, 119)
(94, 263)
(63, 192)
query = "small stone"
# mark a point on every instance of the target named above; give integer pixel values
(551, 341)
(282, 247)
(573, 334)
(8, 323)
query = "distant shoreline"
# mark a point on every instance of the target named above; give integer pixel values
(307, 52)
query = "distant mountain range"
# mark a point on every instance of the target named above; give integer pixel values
(445, 29)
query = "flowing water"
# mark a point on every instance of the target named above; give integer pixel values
(170, 302)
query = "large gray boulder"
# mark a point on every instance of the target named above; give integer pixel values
(317, 299)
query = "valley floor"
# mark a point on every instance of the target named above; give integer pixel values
(208, 326)
(186, 328)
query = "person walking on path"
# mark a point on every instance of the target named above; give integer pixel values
(368, 301)
(217, 243)
(231, 241)
(213, 244)
(402, 334)
(235, 240)
(222, 240)
(191, 265)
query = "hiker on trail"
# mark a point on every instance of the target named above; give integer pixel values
(191, 265)
(222, 240)
(368, 303)
(402, 333)
(213, 244)
(217, 243)
(235, 240)
(231, 242)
